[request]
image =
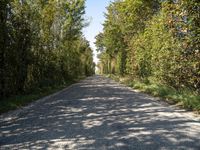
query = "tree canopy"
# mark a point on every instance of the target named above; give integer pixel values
(152, 40)
(42, 44)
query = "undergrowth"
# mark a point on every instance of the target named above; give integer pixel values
(184, 98)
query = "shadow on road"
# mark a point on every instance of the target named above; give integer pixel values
(100, 114)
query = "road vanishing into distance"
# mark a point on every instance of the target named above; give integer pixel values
(99, 114)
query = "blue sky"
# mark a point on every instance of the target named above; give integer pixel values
(95, 13)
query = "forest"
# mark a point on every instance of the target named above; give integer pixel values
(42, 44)
(100, 74)
(153, 42)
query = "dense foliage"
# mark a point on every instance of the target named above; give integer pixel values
(41, 44)
(155, 40)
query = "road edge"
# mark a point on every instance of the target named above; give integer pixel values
(14, 114)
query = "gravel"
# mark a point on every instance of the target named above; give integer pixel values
(99, 114)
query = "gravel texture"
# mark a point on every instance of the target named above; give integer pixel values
(99, 114)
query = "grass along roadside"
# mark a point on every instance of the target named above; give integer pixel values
(183, 98)
(18, 101)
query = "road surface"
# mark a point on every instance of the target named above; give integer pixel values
(99, 114)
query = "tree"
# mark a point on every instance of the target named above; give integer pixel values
(153, 40)
(42, 44)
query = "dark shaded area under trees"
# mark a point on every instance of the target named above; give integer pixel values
(41, 44)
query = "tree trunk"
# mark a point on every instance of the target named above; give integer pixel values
(3, 37)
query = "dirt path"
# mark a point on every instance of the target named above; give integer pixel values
(100, 114)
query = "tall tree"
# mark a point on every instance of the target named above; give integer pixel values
(153, 40)
(42, 44)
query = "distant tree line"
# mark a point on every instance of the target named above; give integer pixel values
(157, 40)
(41, 44)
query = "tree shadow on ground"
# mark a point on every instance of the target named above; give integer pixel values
(99, 114)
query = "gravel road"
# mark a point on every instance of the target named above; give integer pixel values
(99, 114)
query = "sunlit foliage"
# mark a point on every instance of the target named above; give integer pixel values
(155, 40)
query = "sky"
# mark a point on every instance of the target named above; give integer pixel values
(95, 10)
